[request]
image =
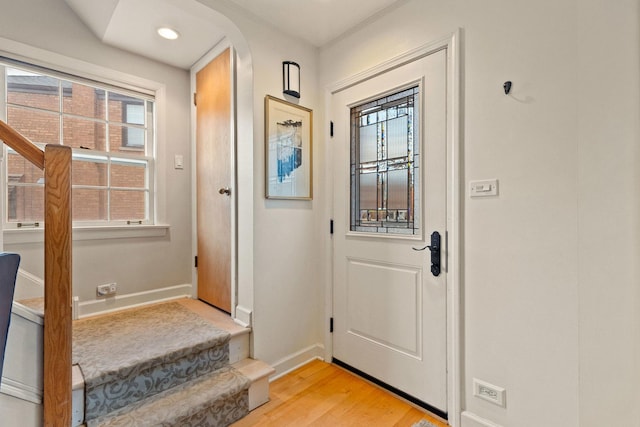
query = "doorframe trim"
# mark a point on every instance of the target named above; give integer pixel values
(212, 54)
(454, 320)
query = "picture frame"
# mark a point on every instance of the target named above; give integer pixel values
(288, 150)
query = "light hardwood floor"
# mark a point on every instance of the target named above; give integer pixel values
(321, 394)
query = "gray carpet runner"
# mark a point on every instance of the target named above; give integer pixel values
(216, 399)
(145, 364)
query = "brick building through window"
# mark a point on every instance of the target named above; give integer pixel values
(110, 132)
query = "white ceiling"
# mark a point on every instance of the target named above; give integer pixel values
(132, 24)
(316, 21)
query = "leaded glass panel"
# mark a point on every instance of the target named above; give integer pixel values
(385, 165)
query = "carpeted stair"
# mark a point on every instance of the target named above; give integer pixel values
(161, 365)
(216, 399)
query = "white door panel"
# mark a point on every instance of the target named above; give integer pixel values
(389, 309)
(382, 305)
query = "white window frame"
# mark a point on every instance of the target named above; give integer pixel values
(122, 83)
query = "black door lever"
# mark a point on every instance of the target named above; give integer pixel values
(434, 248)
(435, 253)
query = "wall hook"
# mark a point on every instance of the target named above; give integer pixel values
(507, 87)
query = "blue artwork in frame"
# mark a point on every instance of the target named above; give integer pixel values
(288, 145)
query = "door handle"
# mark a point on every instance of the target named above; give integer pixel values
(434, 248)
(225, 190)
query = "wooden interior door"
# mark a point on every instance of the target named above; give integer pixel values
(389, 304)
(214, 181)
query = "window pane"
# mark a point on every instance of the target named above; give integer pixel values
(126, 139)
(25, 204)
(133, 137)
(20, 170)
(397, 137)
(39, 127)
(32, 90)
(397, 189)
(369, 191)
(93, 173)
(90, 204)
(83, 133)
(128, 175)
(368, 143)
(134, 113)
(82, 100)
(128, 205)
(126, 109)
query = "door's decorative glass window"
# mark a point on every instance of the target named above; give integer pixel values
(385, 164)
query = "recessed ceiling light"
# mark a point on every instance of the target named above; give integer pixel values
(168, 33)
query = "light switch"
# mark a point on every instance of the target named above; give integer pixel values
(484, 188)
(178, 161)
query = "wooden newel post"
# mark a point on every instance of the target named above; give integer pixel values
(57, 289)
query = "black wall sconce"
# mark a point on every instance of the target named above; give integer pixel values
(291, 79)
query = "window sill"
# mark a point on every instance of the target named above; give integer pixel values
(36, 235)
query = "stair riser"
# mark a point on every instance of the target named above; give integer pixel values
(222, 413)
(139, 385)
(258, 393)
(238, 347)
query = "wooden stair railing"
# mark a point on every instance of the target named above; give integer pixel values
(55, 160)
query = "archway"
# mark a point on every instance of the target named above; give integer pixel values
(244, 163)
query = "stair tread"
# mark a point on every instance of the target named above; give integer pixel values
(254, 369)
(218, 318)
(139, 339)
(175, 405)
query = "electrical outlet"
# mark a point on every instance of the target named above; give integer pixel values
(106, 290)
(489, 392)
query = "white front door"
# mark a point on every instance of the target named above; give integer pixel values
(390, 195)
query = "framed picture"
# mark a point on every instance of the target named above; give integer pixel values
(288, 143)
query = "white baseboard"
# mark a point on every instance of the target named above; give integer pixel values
(20, 390)
(469, 419)
(294, 361)
(243, 316)
(26, 313)
(119, 302)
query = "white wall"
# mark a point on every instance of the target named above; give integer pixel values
(550, 286)
(288, 280)
(609, 212)
(137, 264)
(288, 238)
(19, 413)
